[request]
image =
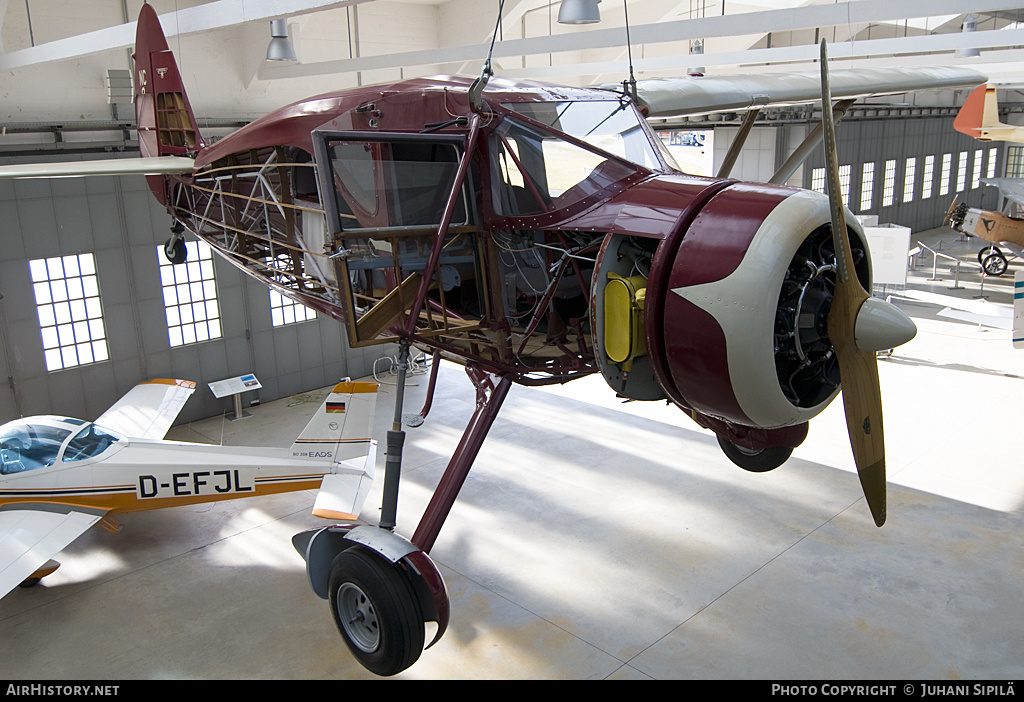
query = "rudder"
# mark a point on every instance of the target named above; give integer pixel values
(166, 124)
(979, 113)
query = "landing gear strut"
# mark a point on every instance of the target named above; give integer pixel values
(382, 588)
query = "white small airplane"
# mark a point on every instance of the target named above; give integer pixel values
(59, 476)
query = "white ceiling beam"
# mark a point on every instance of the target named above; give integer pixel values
(754, 23)
(937, 46)
(214, 15)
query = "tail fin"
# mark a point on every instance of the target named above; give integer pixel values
(163, 115)
(979, 114)
(340, 429)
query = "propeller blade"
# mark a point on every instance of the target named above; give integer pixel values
(949, 212)
(858, 370)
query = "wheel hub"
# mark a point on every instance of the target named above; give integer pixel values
(359, 617)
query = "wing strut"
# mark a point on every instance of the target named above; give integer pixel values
(809, 144)
(737, 144)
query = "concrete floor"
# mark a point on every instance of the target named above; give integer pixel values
(596, 539)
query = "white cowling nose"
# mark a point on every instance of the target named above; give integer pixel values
(881, 326)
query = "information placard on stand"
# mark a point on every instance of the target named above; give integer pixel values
(235, 387)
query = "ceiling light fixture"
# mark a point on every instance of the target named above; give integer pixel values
(280, 47)
(579, 12)
(970, 25)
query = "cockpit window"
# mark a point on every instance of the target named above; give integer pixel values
(25, 446)
(610, 125)
(538, 171)
(90, 442)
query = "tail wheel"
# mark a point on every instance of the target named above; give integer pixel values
(760, 461)
(376, 611)
(175, 250)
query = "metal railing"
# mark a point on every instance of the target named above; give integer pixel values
(955, 269)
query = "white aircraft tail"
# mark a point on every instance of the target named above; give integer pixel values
(339, 431)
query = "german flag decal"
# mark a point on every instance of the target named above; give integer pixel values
(335, 407)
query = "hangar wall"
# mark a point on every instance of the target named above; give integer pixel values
(878, 140)
(899, 139)
(119, 221)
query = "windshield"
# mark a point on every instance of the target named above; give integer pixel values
(610, 125)
(91, 441)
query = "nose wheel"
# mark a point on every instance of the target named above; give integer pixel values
(376, 611)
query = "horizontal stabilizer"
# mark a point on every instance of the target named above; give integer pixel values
(343, 493)
(157, 165)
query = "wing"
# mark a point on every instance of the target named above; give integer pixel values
(147, 410)
(29, 537)
(666, 97)
(1011, 188)
(155, 165)
(990, 314)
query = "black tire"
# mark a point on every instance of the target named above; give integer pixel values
(176, 252)
(986, 252)
(756, 461)
(376, 611)
(995, 264)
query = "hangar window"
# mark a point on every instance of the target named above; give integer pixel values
(992, 154)
(70, 315)
(889, 184)
(976, 173)
(284, 310)
(908, 179)
(961, 172)
(844, 181)
(947, 168)
(1014, 162)
(190, 296)
(867, 184)
(927, 176)
(818, 180)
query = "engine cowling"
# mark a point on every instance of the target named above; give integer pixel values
(740, 335)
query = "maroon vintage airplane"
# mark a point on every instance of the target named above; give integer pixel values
(535, 234)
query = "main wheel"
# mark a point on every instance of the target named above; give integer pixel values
(995, 264)
(376, 611)
(760, 461)
(986, 252)
(175, 250)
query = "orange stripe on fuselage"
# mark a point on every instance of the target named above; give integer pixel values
(130, 502)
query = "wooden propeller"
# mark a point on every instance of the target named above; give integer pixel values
(858, 368)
